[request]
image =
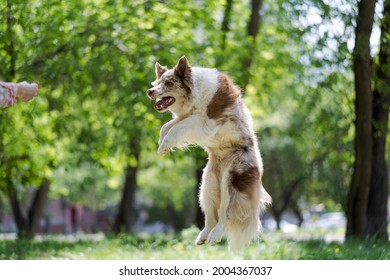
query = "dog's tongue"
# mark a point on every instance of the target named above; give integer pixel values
(164, 103)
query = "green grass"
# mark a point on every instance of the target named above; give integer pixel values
(271, 246)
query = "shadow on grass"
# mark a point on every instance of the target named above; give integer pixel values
(354, 249)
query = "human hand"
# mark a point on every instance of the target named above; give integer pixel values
(26, 91)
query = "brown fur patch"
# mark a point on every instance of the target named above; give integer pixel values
(174, 83)
(246, 181)
(225, 97)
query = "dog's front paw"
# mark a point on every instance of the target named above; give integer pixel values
(162, 150)
(165, 146)
(202, 237)
(216, 234)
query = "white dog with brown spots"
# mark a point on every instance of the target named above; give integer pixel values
(208, 111)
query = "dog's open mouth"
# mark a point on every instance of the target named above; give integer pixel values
(164, 103)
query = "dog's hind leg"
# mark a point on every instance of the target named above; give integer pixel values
(219, 230)
(239, 209)
(209, 199)
(248, 198)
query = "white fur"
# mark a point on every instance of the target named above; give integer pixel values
(190, 131)
(205, 86)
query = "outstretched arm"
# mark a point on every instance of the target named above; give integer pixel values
(10, 91)
(7, 94)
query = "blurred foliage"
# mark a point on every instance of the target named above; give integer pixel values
(94, 60)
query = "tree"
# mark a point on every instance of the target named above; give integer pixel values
(125, 215)
(18, 164)
(28, 224)
(379, 183)
(360, 185)
(285, 177)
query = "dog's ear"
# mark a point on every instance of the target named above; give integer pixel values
(183, 71)
(160, 70)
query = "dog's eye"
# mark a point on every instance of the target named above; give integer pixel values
(169, 84)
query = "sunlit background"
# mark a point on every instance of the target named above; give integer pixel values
(81, 157)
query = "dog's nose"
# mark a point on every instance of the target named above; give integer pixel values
(150, 93)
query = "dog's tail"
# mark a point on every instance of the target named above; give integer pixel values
(244, 224)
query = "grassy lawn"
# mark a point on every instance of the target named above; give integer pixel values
(271, 246)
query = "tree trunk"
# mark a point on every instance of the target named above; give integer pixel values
(358, 193)
(379, 184)
(225, 28)
(297, 212)
(9, 43)
(28, 226)
(287, 201)
(254, 22)
(124, 218)
(20, 220)
(173, 218)
(37, 207)
(277, 216)
(253, 30)
(1, 209)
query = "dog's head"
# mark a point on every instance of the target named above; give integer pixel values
(172, 88)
